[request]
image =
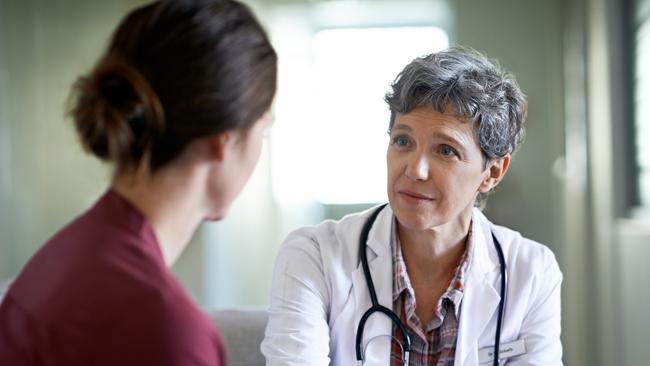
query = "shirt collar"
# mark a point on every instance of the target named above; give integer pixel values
(456, 287)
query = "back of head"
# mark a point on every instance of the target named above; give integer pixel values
(175, 71)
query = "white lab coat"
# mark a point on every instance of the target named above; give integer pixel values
(319, 293)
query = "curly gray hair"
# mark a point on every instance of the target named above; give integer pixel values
(466, 83)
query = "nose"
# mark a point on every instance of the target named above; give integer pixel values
(418, 168)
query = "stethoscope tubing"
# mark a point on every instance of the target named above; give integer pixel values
(376, 307)
(502, 290)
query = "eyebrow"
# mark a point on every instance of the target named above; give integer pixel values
(401, 126)
(440, 135)
(447, 137)
(458, 143)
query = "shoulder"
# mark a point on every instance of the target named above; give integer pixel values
(333, 241)
(74, 275)
(331, 231)
(523, 255)
(530, 264)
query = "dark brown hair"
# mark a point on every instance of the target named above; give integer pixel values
(175, 71)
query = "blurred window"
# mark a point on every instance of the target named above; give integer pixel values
(329, 141)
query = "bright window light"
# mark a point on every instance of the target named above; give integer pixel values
(329, 141)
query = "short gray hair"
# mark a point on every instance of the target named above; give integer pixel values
(466, 83)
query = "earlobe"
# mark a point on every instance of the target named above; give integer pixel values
(496, 171)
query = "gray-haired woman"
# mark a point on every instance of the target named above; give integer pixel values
(428, 273)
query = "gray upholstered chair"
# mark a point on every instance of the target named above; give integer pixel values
(242, 332)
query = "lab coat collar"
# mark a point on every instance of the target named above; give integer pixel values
(379, 259)
(484, 258)
(379, 238)
(480, 299)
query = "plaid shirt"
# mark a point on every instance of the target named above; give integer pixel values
(434, 344)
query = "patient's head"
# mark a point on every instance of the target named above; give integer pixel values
(175, 71)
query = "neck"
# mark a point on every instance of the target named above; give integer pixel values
(436, 251)
(172, 201)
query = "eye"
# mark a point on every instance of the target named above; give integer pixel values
(401, 141)
(447, 150)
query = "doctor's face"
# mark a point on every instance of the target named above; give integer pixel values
(435, 169)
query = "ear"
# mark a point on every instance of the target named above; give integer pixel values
(496, 171)
(219, 145)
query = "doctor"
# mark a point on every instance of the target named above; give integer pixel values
(447, 281)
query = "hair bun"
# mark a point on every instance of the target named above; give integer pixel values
(116, 113)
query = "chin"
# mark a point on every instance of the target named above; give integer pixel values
(216, 216)
(414, 223)
(411, 220)
(417, 220)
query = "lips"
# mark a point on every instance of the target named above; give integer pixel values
(414, 197)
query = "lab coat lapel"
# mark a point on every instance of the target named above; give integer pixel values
(380, 263)
(480, 299)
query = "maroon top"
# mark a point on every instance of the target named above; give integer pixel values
(99, 293)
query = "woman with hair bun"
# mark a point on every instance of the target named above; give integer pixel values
(179, 105)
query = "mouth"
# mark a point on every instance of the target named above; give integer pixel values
(414, 197)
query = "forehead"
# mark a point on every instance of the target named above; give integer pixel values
(426, 121)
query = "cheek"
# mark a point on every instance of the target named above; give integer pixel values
(452, 183)
(468, 185)
(392, 164)
(392, 174)
(257, 150)
(253, 153)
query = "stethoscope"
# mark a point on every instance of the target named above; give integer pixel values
(376, 307)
